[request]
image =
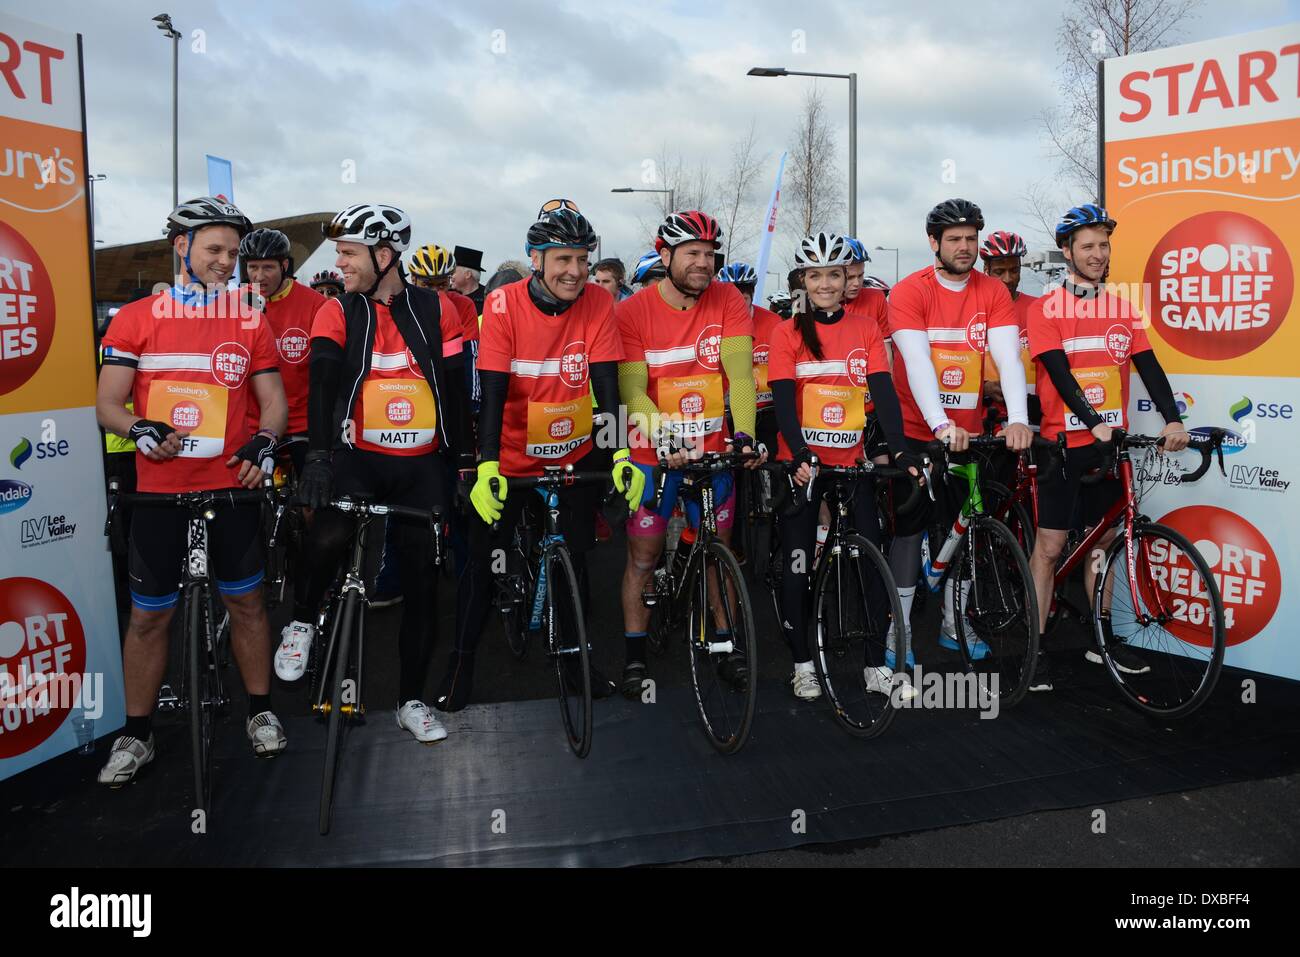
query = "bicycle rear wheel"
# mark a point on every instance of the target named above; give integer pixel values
(514, 592)
(996, 609)
(726, 704)
(337, 670)
(566, 635)
(1177, 627)
(855, 600)
(203, 693)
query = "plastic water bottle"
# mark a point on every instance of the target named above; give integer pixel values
(85, 730)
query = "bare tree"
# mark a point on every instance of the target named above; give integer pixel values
(1091, 31)
(813, 188)
(693, 187)
(736, 210)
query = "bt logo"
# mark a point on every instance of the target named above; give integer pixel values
(1262, 410)
(1183, 400)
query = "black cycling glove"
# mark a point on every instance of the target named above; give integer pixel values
(259, 450)
(317, 480)
(148, 435)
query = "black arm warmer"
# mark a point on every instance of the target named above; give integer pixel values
(1157, 383)
(888, 410)
(325, 371)
(604, 382)
(787, 420)
(493, 387)
(1058, 368)
(455, 402)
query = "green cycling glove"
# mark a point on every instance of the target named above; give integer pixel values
(628, 479)
(488, 505)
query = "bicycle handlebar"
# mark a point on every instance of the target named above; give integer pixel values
(864, 469)
(558, 479)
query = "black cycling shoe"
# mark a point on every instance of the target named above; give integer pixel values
(457, 683)
(634, 675)
(601, 687)
(734, 670)
(1042, 680)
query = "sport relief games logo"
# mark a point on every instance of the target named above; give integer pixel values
(42, 655)
(1242, 563)
(26, 310)
(1221, 285)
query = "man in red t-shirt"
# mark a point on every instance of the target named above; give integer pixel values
(191, 360)
(742, 276)
(1083, 339)
(687, 342)
(1002, 252)
(548, 343)
(387, 403)
(289, 307)
(943, 319)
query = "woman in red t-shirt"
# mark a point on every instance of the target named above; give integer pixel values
(825, 367)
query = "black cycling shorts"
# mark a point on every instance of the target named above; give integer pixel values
(1059, 494)
(159, 546)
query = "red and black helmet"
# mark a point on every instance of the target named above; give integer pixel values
(1002, 243)
(688, 227)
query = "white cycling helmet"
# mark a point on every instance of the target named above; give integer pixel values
(822, 249)
(371, 224)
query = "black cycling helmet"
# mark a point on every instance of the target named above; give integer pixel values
(561, 227)
(953, 212)
(264, 244)
(205, 211)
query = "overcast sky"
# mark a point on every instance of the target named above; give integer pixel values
(469, 129)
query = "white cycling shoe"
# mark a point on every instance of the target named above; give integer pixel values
(415, 717)
(805, 685)
(125, 760)
(266, 734)
(295, 645)
(882, 680)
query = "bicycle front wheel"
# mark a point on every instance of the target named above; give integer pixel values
(203, 693)
(724, 652)
(1174, 630)
(996, 610)
(854, 602)
(1012, 513)
(341, 694)
(566, 636)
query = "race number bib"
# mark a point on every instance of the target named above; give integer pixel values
(958, 373)
(191, 407)
(833, 415)
(1101, 387)
(398, 413)
(692, 405)
(557, 428)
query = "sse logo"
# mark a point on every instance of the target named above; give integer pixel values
(1263, 410)
(1222, 285)
(21, 452)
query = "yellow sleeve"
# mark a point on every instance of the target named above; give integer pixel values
(633, 383)
(738, 363)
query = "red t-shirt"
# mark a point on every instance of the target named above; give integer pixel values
(1021, 304)
(765, 323)
(547, 418)
(290, 314)
(682, 350)
(830, 392)
(394, 403)
(192, 370)
(1099, 336)
(872, 303)
(957, 324)
(468, 313)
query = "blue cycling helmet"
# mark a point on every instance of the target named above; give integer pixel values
(1089, 214)
(649, 267)
(742, 274)
(857, 251)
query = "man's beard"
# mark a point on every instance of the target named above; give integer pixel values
(954, 268)
(682, 281)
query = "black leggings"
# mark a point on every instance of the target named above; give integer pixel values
(798, 543)
(410, 480)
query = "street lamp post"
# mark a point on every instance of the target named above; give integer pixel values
(853, 128)
(164, 23)
(672, 206)
(891, 249)
(91, 180)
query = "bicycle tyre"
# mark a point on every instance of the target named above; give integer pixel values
(202, 705)
(575, 703)
(1203, 672)
(852, 704)
(727, 728)
(1016, 518)
(338, 673)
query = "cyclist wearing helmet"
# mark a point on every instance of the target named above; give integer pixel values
(549, 342)
(875, 282)
(869, 303)
(743, 277)
(288, 306)
(387, 399)
(649, 269)
(328, 283)
(686, 339)
(610, 274)
(781, 304)
(1083, 338)
(191, 360)
(826, 365)
(943, 319)
(432, 268)
(1002, 252)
